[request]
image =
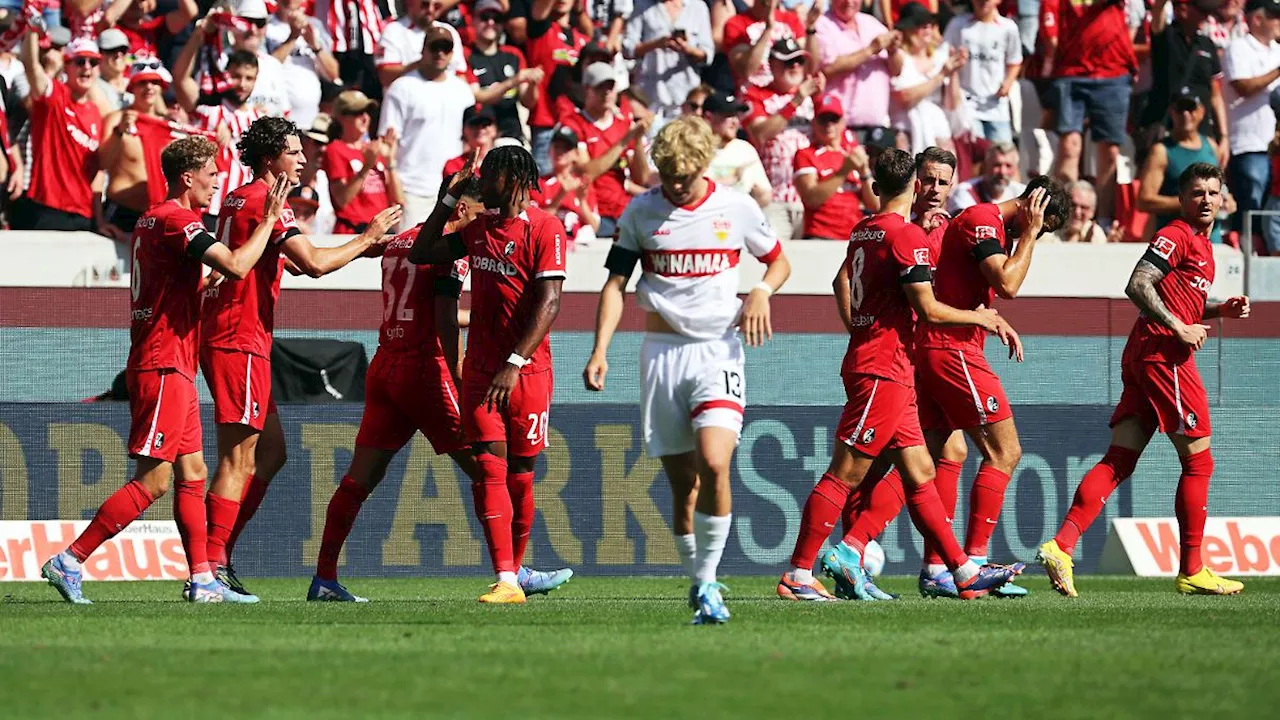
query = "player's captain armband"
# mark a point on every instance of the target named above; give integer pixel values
(1160, 252)
(447, 286)
(621, 261)
(291, 232)
(915, 274)
(457, 246)
(986, 242)
(198, 240)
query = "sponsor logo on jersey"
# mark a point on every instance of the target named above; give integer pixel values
(494, 265)
(142, 314)
(993, 405)
(985, 232)
(1163, 246)
(690, 263)
(1201, 284)
(82, 139)
(662, 231)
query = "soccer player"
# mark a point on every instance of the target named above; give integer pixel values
(1162, 386)
(687, 236)
(411, 387)
(169, 246)
(236, 328)
(887, 269)
(517, 257)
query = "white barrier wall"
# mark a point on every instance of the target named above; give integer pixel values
(51, 259)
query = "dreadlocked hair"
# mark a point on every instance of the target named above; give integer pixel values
(265, 140)
(514, 163)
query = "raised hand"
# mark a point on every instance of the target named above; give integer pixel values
(1236, 307)
(277, 196)
(384, 221)
(1033, 211)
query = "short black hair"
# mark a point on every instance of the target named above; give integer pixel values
(238, 58)
(1060, 204)
(512, 162)
(1198, 171)
(894, 172)
(937, 155)
(265, 140)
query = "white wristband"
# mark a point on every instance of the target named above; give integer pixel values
(518, 361)
(449, 201)
(762, 285)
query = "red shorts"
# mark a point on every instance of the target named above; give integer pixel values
(1165, 395)
(958, 390)
(879, 415)
(240, 383)
(404, 395)
(165, 414)
(522, 426)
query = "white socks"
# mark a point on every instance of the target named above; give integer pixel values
(685, 546)
(934, 569)
(202, 578)
(804, 576)
(509, 577)
(711, 533)
(966, 571)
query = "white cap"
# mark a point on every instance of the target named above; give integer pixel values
(252, 9)
(112, 39)
(597, 74)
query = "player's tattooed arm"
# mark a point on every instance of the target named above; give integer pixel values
(1142, 291)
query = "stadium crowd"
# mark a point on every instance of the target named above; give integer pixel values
(1115, 97)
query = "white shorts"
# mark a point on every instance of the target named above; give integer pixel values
(687, 385)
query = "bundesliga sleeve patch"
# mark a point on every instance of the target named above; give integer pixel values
(922, 256)
(1163, 247)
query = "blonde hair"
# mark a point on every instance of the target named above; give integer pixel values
(684, 147)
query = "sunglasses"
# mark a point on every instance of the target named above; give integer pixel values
(793, 62)
(441, 47)
(256, 22)
(85, 62)
(1185, 106)
(490, 17)
(693, 107)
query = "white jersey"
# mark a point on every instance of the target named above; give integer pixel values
(232, 174)
(402, 45)
(689, 256)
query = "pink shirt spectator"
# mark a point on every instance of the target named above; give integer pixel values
(865, 91)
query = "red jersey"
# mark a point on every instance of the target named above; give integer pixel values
(972, 236)
(885, 251)
(144, 38)
(744, 29)
(507, 256)
(168, 242)
(240, 314)
(1186, 258)
(835, 219)
(610, 188)
(1094, 40)
(64, 150)
(934, 238)
(343, 162)
(409, 298)
(557, 47)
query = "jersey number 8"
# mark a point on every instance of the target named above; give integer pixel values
(856, 265)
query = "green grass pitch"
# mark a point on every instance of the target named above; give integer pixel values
(613, 648)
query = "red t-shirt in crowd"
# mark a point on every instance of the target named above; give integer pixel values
(241, 314)
(746, 30)
(570, 212)
(835, 219)
(611, 188)
(342, 162)
(974, 235)
(64, 150)
(1186, 257)
(145, 38)
(1093, 38)
(168, 242)
(555, 47)
(409, 298)
(507, 256)
(884, 252)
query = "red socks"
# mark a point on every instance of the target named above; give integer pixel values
(341, 515)
(254, 490)
(192, 521)
(222, 518)
(947, 480)
(821, 511)
(877, 506)
(1096, 486)
(493, 508)
(985, 501)
(930, 519)
(1192, 508)
(123, 507)
(520, 488)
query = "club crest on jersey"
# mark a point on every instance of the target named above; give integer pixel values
(255, 408)
(993, 405)
(1192, 421)
(867, 436)
(922, 256)
(159, 441)
(510, 248)
(1163, 247)
(985, 232)
(721, 227)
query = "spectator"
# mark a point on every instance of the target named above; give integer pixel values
(1092, 63)
(736, 164)
(994, 50)
(305, 204)
(425, 107)
(1252, 69)
(693, 102)
(748, 38)
(143, 32)
(566, 192)
(361, 170)
(133, 139)
(927, 73)
(890, 10)
(1181, 58)
(1226, 24)
(1271, 224)
(859, 57)
(1185, 146)
(998, 182)
(402, 41)
(305, 50)
(830, 176)
(615, 158)
(313, 177)
(492, 64)
(670, 41)
(779, 127)
(247, 33)
(111, 92)
(606, 19)
(553, 46)
(479, 133)
(65, 131)
(1081, 228)
(358, 38)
